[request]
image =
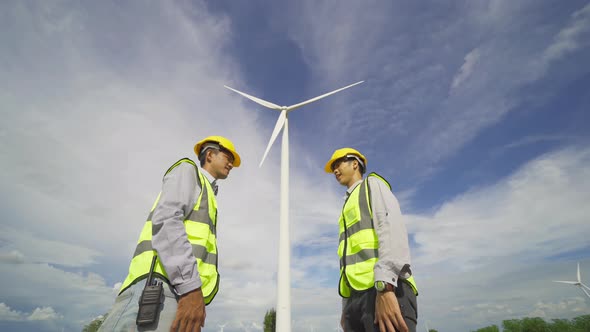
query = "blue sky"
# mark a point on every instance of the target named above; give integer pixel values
(476, 113)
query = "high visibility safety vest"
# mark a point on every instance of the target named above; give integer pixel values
(358, 247)
(200, 226)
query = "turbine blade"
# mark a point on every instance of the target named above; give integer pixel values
(585, 292)
(579, 279)
(566, 282)
(588, 288)
(275, 132)
(292, 107)
(257, 100)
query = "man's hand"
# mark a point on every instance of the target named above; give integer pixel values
(190, 313)
(388, 314)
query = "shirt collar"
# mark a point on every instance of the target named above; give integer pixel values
(211, 179)
(349, 190)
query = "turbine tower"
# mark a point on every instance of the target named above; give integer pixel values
(283, 278)
(577, 283)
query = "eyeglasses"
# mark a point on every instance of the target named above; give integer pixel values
(349, 157)
(228, 155)
(337, 162)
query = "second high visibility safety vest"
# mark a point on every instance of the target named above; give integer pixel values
(359, 244)
(200, 226)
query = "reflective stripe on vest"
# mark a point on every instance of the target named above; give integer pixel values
(200, 226)
(358, 242)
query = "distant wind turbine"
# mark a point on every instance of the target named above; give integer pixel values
(577, 283)
(283, 278)
(221, 326)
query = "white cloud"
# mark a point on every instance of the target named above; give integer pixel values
(488, 253)
(409, 57)
(13, 256)
(549, 310)
(38, 314)
(91, 139)
(466, 69)
(570, 38)
(537, 212)
(38, 249)
(492, 294)
(531, 140)
(7, 314)
(43, 314)
(42, 286)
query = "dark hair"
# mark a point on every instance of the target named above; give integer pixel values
(203, 156)
(361, 167)
(355, 158)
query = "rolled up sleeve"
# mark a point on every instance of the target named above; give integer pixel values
(180, 190)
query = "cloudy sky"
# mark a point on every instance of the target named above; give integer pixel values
(478, 113)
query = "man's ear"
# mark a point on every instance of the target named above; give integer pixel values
(208, 155)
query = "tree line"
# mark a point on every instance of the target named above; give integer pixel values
(536, 324)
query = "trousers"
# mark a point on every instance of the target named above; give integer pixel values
(122, 316)
(359, 311)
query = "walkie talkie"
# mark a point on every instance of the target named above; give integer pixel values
(150, 300)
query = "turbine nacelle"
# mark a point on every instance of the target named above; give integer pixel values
(577, 283)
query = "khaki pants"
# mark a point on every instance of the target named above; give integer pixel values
(122, 316)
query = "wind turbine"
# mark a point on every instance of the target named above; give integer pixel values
(283, 278)
(577, 283)
(221, 326)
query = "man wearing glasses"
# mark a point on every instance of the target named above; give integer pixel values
(173, 273)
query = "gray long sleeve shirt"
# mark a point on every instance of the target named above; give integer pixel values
(394, 250)
(180, 191)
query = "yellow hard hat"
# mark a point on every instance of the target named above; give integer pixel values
(345, 152)
(223, 143)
